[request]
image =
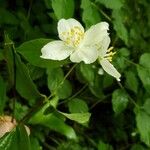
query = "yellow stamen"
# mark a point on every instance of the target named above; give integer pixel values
(74, 36)
(110, 54)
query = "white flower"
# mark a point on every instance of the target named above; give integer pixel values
(105, 57)
(75, 42)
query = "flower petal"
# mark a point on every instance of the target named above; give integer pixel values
(56, 50)
(104, 46)
(65, 26)
(109, 68)
(86, 54)
(96, 34)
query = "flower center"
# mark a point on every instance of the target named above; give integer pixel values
(73, 37)
(109, 54)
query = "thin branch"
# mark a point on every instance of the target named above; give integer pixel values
(42, 102)
(76, 94)
(14, 84)
(29, 10)
(101, 11)
(65, 77)
(130, 98)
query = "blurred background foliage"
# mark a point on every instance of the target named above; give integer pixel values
(85, 110)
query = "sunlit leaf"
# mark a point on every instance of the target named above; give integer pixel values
(52, 122)
(78, 117)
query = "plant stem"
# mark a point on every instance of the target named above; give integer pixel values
(101, 11)
(65, 77)
(130, 98)
(29, 10)
(129, 61)
(33, 110)
(42, 102)
(77, 93)
(14, 84)
(68, 73)
(11, 47)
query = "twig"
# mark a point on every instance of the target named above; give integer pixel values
(77, 93)
(42, 102)
(68, 73)
(14, 84)
(103, 13)
(29, 10)
(130, 98)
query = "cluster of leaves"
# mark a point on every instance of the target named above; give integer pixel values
(71, 106)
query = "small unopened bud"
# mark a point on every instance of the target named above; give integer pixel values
(100, 71)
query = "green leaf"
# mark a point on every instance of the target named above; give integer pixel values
(78, 106)
(78, 117)
(6, 140)
(20, 110)
(58, 125)
(1, 55)
(146, 105)
(23, 141)
(63, 8)
(90, 15)
(112, 4)
(7, 17)
(104, 146)
(143, 125)
(120, 58)
(31, 50)
(87, 72)
(35, 144)
(144, 71)
(144, 59)
(55, 77)
(57, 86)
(35, 72)
(131, 81)
(15, 140)
(9, 55)
(138, 147)
(24, 84)
(64, 90)
(53, 122)
(97, 87)
(2, 94)
(119, 26)
(119, 101)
